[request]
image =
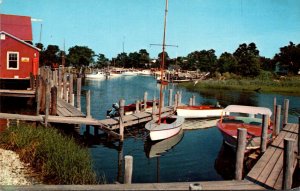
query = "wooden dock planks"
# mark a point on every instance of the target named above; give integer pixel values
(67, 110)
(17, 93)
(268, 171)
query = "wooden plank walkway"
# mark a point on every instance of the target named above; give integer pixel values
(207, 185)
(268, 171)
(67, 110)
(17, 93)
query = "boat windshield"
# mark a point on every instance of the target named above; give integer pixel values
(167, 120)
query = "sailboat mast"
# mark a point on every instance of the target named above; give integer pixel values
(163, 63)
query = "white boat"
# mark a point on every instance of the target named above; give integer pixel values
(199, 111)
(167, 127)
(130, 73)
(97, 75)
(156, 149)
(144, 72)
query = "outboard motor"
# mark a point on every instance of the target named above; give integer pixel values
(114, 112)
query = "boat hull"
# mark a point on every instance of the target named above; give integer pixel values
(164, 131)
(199, 112)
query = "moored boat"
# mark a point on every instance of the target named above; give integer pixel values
(252, 122)
(97, 75)
(165, 128)
(199, 111)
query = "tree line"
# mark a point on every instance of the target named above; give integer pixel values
(245, 61)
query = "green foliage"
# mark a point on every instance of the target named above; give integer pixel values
(102, 61)
(204, 60)
(59, 159)
(80, 56)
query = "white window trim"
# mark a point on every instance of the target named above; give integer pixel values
(7, 57)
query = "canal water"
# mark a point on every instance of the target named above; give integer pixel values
(193, 155)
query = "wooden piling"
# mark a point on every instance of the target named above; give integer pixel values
(194, 100)
(38, 95)
(53, 100)
(240, 151)
(71, 85)
(65, 87)
(162, 100)
(274, 114)
(121, 105)
(128, 169)
(137, 106)
(285, 112)
(121, 112)
(73, 99)
(79, 94)
(47, 102)
(145, 100)
(277, 120)
(288, 160)
(59, 82)
(170, 97)
(154, 108)
(264, 133)
(175, 101)
(179, 98)
(88, 104)
(191, 101)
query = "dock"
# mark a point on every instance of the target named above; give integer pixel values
(268, 171)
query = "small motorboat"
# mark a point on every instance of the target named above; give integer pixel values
(199, 111)
(250, 118)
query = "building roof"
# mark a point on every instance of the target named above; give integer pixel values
(18, 26)
(17, 39)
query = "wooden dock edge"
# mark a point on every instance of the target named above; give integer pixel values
(207, 185)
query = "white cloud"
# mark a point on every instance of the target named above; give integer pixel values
(34, 20)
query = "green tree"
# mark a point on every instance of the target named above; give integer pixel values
(289, 57)
(133, 60)
(102, 61)
(144, 58)
(167, 58)
(227, 63)
(80, 56)
(204, 60)
(122, 60)
(50, 56)
(248, 60)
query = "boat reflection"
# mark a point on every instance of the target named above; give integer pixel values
(156, 149)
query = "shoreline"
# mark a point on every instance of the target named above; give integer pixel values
(12, 170)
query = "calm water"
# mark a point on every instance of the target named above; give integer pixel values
(193, 156)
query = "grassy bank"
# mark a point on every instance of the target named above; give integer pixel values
(57, 158)
(287, 85)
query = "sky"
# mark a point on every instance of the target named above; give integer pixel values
(108, 26)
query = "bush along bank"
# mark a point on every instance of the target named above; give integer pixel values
(57, 158)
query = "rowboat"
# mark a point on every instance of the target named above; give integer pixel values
(250, 118)
(199, 111)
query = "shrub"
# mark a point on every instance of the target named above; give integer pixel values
(58, 158)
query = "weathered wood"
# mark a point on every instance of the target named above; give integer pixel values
(65, 87)
(206, 185)
(195, 186)
(194, 100)
(128, 169)
(179, 98)
(162, 100)
(170, 97)
(67, 109)
(285, 112)
(43, 95)
(72, 102)
(21, 117)
(121, 105)
(278, 113)
(38, 95)
(241, 146)
(137, 106)
(264, 133)
(154, 107)
(48, 97)
(191, 101)
(88, 104)
(145, 100)
(71, 85)
(288, 162)
(274, 115)
(32, 81)
(53, 101)
(175, 101)
(79, 94)
(59, 88)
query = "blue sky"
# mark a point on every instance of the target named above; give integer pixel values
(104, 25)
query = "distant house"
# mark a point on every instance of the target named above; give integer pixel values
(18, 56)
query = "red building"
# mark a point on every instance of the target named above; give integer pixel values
(18, 57)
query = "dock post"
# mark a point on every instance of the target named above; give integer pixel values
(264, 134)
(38, 94)
(71, 99)
(47, 102)
(274, 114)
(285, 112)
(128, 169)
(240, 151)
(59, 81)
(288, 160)
(65, 87)
(277, 121)
(175, 101)
(162, 100)
(194, 100)
(53, 100)
(88, 104)
(145, 100)
(79, 93)
(121, 112)
(153, 108)
(137, 106)
(170, 97)
(191, 101)
(179, 98)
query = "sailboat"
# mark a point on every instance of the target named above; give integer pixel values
(168, 126)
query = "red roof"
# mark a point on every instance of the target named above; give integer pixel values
(18, 26)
